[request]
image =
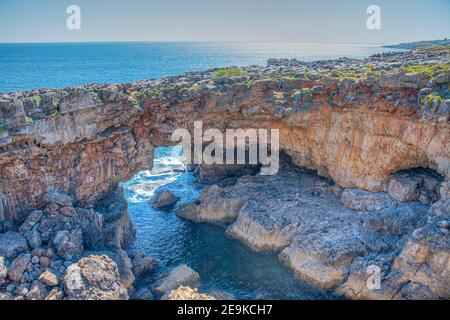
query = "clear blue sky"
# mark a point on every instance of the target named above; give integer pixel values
(338, 21)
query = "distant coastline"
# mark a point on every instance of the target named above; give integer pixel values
(420, 44)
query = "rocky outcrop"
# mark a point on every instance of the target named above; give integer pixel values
(164, 199)
(179, 276)
(361, 124)
(355, 121)
(187, 293)
(331, 238)
(94, 278)
(51, 255)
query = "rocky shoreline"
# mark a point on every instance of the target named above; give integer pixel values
(376, 131)
(329, 235)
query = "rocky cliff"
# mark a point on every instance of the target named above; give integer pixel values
(355, 121)
(358, 123)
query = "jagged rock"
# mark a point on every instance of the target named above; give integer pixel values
(399, 221)
(58, 198)
(142, 263)
(123, 262)
(415, 291)
(94, 278)
(37, 291)
(425, 257)
(12, 244)
(3, 270)
(164, 199)
(55, 294)
(31, 221)
(181, 275)
(68, 244)
(34, 238)
(118, 230)
(403, 188)
(187, 293)
(366, 201)
(49, 279)
(216, 206)
(18, 267)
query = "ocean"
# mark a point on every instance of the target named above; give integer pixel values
(55, 65)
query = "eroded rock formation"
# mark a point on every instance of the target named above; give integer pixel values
(358, 123)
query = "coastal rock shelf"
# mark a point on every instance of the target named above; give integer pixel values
(375, 130)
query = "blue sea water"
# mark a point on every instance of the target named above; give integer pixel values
(224, 264)
(41, 65)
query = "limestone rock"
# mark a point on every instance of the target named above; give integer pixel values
(12, 244)
(48, 278)
(164, 199)
(68, 244)
(142, 264)
(94, 278)
(18, 267)
(30, 221)
(55, 294)
(181, 275)
(37, 291)
(403, 188)
(187, 293)
(58, 198)
(123, 262)
(366, 201)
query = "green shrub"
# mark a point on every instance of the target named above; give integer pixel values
(37, 98)
(229, 72)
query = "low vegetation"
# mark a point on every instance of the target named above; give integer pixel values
(229, 72)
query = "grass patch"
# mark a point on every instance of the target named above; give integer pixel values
(419, 68)
(30, 120)
(37, 98)
(229, 72)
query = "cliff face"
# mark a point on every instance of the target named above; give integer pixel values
(355, 121)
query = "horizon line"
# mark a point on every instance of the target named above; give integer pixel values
(193, 41)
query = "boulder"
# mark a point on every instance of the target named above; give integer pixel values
(68, 244)
(187, 293)
(12, 244)
(361, 200)
(55, 294)
(123, 262)
(181, 275)
(403, 187)
(30, 221)
(142, 264)
(94, 278)
(18, 267)
(49, 278)
(38, 291)
(164, 199)
(58, 198)
(34, 238)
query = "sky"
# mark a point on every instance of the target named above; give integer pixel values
(327, 21)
